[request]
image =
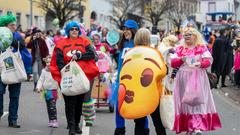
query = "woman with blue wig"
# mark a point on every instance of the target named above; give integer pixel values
(78, 48)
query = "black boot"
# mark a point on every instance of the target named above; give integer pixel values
(78, 130)
(119, 131)
(72, 130)
(146, 131)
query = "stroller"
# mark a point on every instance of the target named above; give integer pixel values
(101, 86)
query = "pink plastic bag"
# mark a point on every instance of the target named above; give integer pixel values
(193, 94)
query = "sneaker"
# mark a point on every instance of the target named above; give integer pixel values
(55, 124)
(50, 123)
(5, 114)
(198, 132)
(14, 125)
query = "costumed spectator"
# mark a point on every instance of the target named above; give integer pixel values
(9, 21)
(58, 36)
(129, 29)
(48, 86)
(211, 41)
(84, 55)
(220, 52)
(39, 50)
(100, 46)
(49, 34)
(142, 38)
(236, 45)
(104, 35)
(194, 106)
(167, 48)
(49, 42)
(88, 108)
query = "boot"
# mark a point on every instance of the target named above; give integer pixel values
(78, 130)
(72, 130)
(120, 131)
(146, 131)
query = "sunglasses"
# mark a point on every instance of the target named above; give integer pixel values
(188, 35)
(72, 29)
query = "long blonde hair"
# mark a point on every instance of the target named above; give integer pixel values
(142, 37)
(199, 38)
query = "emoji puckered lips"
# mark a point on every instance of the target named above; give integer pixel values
(129, 96)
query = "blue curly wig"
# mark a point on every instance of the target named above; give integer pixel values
(70, 25)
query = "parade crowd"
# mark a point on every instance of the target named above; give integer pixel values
(187, 65)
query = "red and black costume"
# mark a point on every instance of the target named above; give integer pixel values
(60, 58)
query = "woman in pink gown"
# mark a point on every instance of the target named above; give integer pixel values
(194, 106)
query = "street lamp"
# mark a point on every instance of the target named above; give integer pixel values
(31, 12)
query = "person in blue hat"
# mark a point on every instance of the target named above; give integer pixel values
(130, 28)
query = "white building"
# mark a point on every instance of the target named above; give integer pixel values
(237, 9)
(101, 10)
(213, 6)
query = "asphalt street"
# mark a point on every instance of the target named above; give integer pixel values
(33, 117)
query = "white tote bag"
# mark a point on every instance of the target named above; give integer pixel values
(167, 112)
(74, 81)
(12, 67)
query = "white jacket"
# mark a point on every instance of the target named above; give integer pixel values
(46, 81)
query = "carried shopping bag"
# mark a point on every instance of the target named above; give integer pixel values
(12, 67)
(73, 81)
(193, 94)
(167, 109)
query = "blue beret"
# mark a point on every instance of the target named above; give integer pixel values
(131, 24)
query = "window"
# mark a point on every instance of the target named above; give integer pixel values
(211, 7)
(9, 12)
(1, 12)
(36, 20)
(93, 15)
(28, 21)
(229, 7)
(18, 17)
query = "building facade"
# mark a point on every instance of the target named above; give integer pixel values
(237, 10)
(22, 10)
(214, 6)
(101, 12)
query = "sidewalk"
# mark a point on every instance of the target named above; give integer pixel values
(231, 91)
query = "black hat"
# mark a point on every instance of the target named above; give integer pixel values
(35, 30)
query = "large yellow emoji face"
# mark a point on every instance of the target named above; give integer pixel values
(140, 82)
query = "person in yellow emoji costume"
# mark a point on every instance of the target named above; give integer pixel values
(140, 82)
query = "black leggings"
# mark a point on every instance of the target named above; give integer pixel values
(73, 109)
(159, 128)
(51, 109)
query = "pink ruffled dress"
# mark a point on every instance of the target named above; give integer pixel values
(194, 105)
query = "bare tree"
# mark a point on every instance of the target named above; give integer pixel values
(157, 10)
(63, 10)
(176, 15)
(121, 9)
